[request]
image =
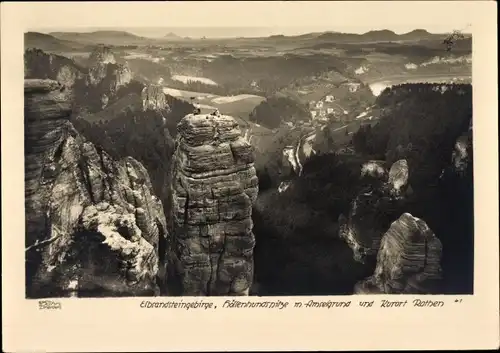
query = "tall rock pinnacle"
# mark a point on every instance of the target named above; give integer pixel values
(214, 187)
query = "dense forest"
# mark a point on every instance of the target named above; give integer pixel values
(277, 109)
(420, 123)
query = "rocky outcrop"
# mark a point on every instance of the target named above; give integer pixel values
(153, 98)
(93, 87)
(38, 64)
(408, 260)
(462, 153)
(374, 169)
(289, 162)
(106, 73)
(398, 178)
(93, 225)
(98, 62)
(373, 208)
(214, 187)
(113, 76)
(101, 55)
(295, 156)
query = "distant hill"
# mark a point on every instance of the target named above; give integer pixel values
(418, 34)
(172, 36)
(370, 36)
(277, 36)
(49, 43)
(379, 36)
(102, 37)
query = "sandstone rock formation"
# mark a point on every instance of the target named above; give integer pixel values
(153, 98)
(462, 153)
(93, 226)
(408, 260)
(93, 88)
(398, 177)
(101, 55)
(296, 155)
(372, 210)
(106, 72)
(290, 161)
(374, 169)
(98, 62)
(214, 187)
(38, 64)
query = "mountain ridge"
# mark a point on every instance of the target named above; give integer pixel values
(379, 34)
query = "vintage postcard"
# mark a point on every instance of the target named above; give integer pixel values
(293, 175)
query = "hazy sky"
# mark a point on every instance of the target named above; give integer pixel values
(253, 18)
(225, 32)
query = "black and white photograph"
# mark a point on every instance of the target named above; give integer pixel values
(248, 161)
(249, 176)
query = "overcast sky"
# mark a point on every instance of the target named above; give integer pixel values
(247, 19)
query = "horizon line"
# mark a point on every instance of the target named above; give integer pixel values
(171, 30)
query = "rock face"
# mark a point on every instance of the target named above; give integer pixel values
(106, 73)
(38, 64)
(290, 162)
(374, 169)
(93, 88)
(214, 187)
(372, 209)
(101, 55)
(93, 226)
(398, 177)
(408, 260)
(462, 152)
(153, 98)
